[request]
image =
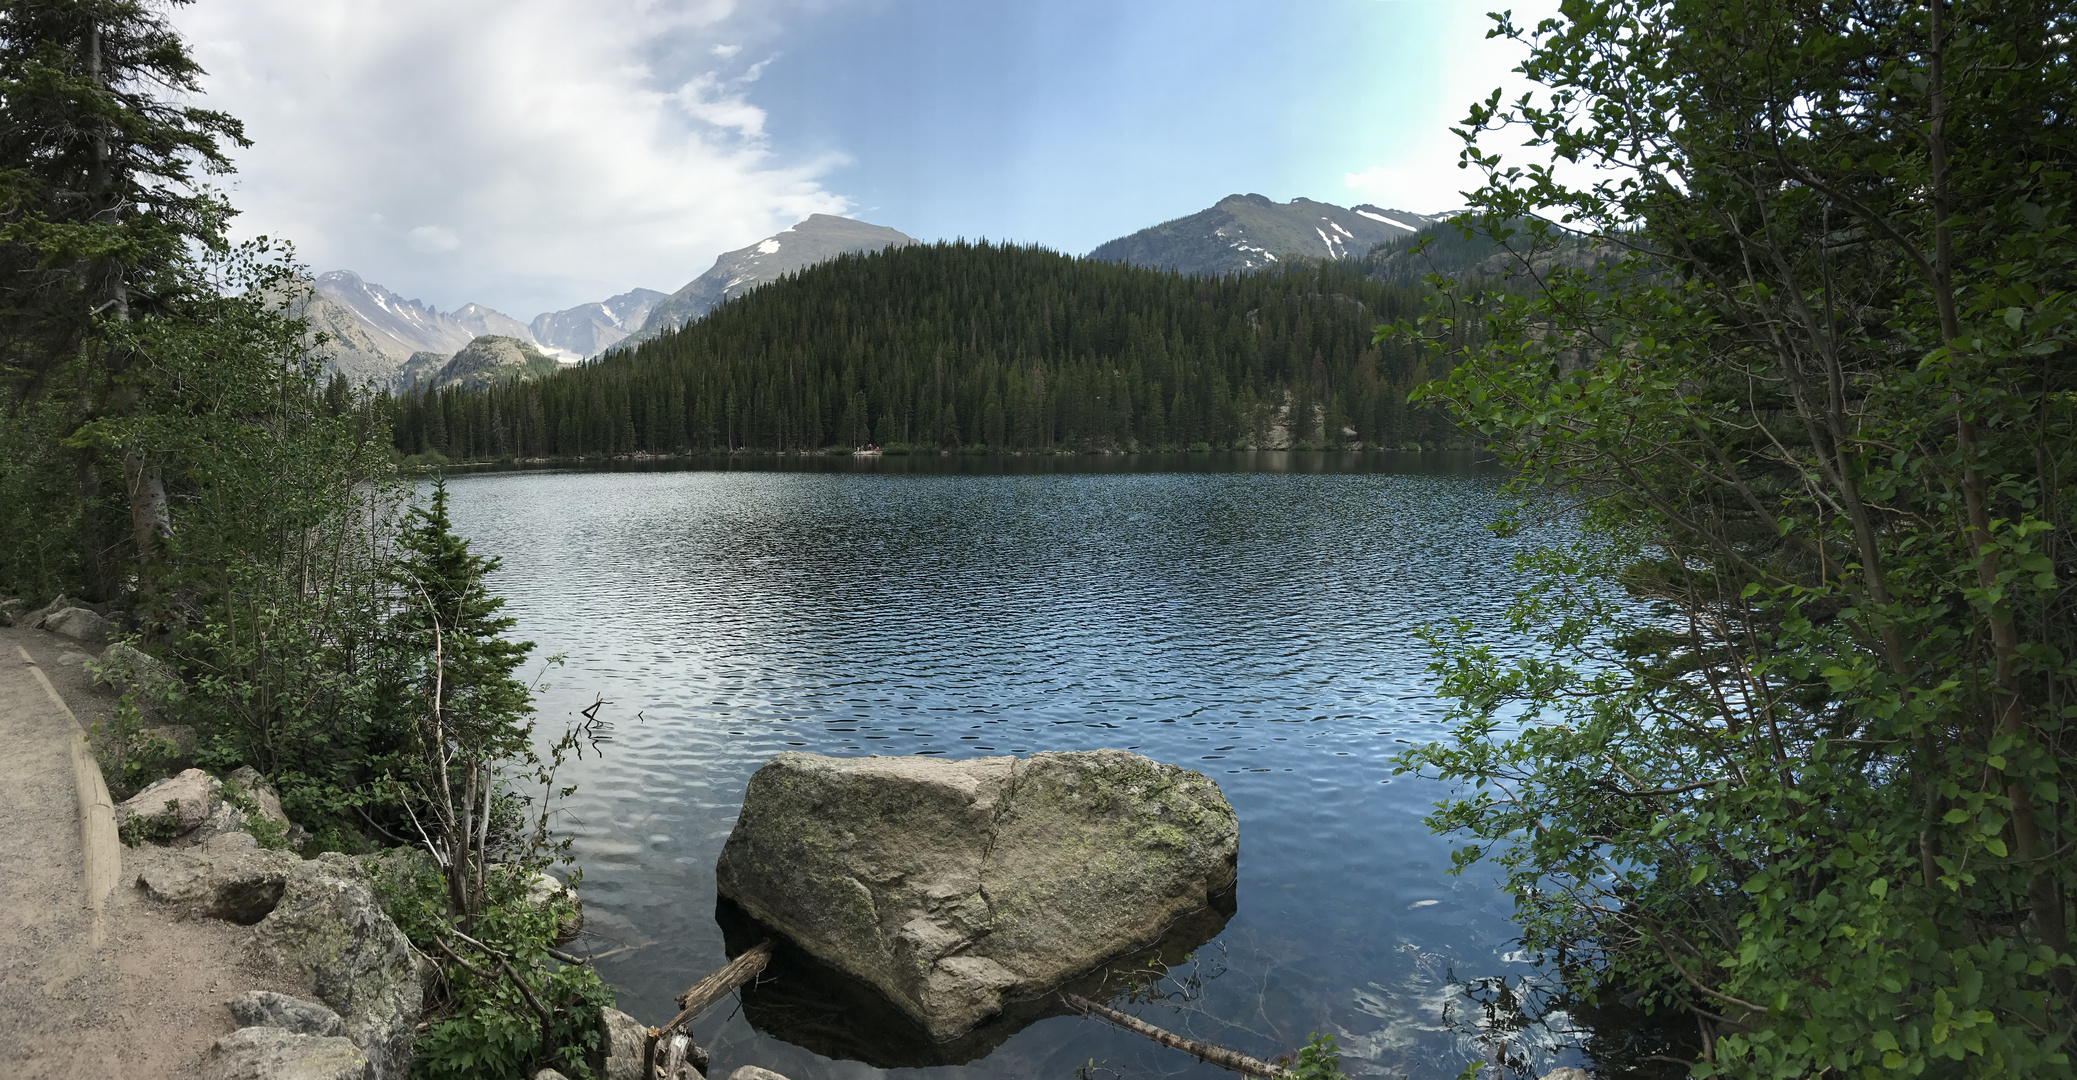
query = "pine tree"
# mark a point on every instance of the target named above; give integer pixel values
(472, 712)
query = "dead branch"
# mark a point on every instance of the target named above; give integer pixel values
(1206, 1052)
(714, 987)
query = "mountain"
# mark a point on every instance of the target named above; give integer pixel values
(480, 320)
(589, 329)
(381, 338)
(418, 371)
(1249, 232)
(407, 325)
(1449, 253)
(820, 238)
(494, 358)
(350, 348)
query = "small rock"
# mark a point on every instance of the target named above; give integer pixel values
(78, 624)
(329, 929)
(544, 890)
(193, 793)
(10, 610)
(267, 1053)
(752, 1072)
(1567, 1073)
(623, 1046)
(250, 779)
(230, 877)
(265, 1008)
(549, 1074)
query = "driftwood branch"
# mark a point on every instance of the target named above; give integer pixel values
(673, 1048)
(1206, 1052)
(714, 987)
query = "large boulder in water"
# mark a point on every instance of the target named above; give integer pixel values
(953, 886)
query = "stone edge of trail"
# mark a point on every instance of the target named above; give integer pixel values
(100, 847)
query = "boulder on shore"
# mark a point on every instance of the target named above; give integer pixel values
(954, 886)
(329, 929)
(269, 1053)
(227, 877)
(79, 624)
(188, 799)
(265, 1008)
(623, 1050)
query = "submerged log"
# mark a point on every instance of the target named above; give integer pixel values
(1206, 1052)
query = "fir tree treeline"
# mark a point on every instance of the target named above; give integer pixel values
(965, 345)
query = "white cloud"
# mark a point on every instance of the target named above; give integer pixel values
(567, 149)
(432, 239)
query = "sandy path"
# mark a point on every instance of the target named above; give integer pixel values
(147, 1000)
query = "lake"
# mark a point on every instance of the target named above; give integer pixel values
(1250, 616)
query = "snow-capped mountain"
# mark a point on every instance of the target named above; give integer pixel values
(820, 237)
(408, 326)
(1250, 232)
(589, 329)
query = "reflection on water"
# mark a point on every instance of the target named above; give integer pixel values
(1256, 624)
(811, 1005)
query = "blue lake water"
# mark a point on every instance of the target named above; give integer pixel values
(1249, 616)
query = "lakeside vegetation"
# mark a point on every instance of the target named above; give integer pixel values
(1795, 736)
(167, 455)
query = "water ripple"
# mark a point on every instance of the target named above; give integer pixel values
(1258, 627)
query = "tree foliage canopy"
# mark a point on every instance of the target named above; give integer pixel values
(959, 345)
(1794, 756)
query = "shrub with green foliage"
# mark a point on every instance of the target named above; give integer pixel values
(1792, 757)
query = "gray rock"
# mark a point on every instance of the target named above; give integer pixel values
(329, 929)
(79, 624)
(752, 1072)
(224, 820)
(543, 891)
(549, 1074)
(623, 1047)
(1567, 1073)
(268, 803)
(58, 603)
(265, 1008)
(11, 609)
(266, 1053)
(228, 877)
(127, 669)
(193, 795)
(951, 886)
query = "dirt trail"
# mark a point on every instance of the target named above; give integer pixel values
(144, 1002)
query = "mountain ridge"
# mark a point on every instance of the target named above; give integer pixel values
(1248, 232)
(815, 239)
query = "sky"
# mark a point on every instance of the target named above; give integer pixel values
(533, 155)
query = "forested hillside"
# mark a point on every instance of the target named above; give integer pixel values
(973, 345)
